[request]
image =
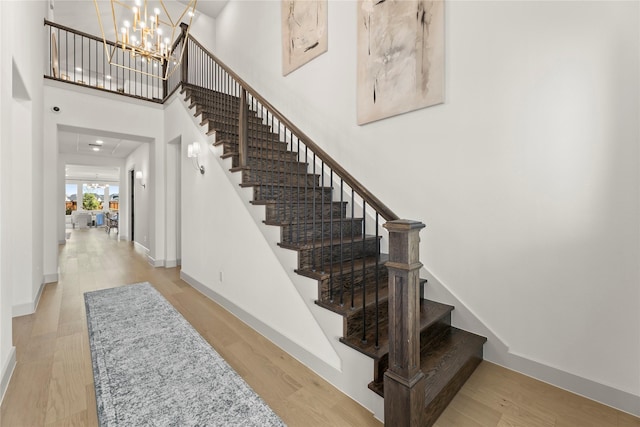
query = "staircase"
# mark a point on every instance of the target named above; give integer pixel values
(333, 247)
(336, 227)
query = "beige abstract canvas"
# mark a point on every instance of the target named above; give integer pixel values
(304, 32)
(400, 57)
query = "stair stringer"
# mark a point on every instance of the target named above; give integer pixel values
(353, 372)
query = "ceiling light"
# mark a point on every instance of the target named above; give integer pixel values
(78, 69)
(139, 30)
(96, 148)
(99, 142)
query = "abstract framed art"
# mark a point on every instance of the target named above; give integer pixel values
(400, 57)
(304, 32)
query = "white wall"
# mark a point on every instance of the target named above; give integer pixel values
(527, 176)
(21, 260)
(112, 115)
(203, 28)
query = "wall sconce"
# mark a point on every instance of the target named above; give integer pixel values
(193, 150)
(139, 178)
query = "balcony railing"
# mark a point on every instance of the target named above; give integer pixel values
(81, 59)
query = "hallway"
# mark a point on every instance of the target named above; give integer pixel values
(53, 380)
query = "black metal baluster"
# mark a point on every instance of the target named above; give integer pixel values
(377, 282)
(322, 217)
(330, 240)
(341, 245)
(298, 178)
(297, 193)
(364, 260)
(313, 217)
(353, 261)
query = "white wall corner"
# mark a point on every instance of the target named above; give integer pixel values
(50, 278)
(7, 372)
(155, 262)
(27, 308)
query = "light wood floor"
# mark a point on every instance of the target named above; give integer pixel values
(53, 381)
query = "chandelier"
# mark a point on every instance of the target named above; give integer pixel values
(96, 186)
(147, 33)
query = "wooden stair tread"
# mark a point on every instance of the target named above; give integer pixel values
(309, 223)
(309, 188)
(430, 313)
(347, 310)
(324, 272)
(444, 357)
(324, 242)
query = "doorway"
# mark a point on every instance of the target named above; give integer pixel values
(132, 186)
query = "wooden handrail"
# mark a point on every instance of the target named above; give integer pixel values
(80, 33)
(368, 197)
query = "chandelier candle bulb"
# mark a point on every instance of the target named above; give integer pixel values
(138, 31)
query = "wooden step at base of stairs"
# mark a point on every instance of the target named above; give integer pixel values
(448, 362)
(430, 313)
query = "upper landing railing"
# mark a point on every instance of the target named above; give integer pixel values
(79, 58)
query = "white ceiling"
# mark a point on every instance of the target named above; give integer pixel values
(81, 15)
(75, 142)
(88, 174)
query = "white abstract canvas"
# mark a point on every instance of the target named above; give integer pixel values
(304, 32)
(400, 57)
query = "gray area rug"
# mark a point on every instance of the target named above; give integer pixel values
(151, 368)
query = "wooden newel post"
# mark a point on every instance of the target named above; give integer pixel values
(185, 55)
(242, 128)
(404, 382)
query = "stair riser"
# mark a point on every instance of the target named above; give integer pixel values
(335, 253)
(213, 103)
(259, 148)
(438, 329)
(223, 116)
(353, 324)
(211, 97)
(439, 403)
(253, 129)
(306, 232)
(269, 177)
(261, 155)
(281, 212)
(278, 167)
(268, 192)
(347, 280)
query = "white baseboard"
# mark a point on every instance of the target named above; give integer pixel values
(7, 372)
(604, 394)
(155, 262)
(497, 351)
(171, 263)
(295, 350)
(28, 307)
